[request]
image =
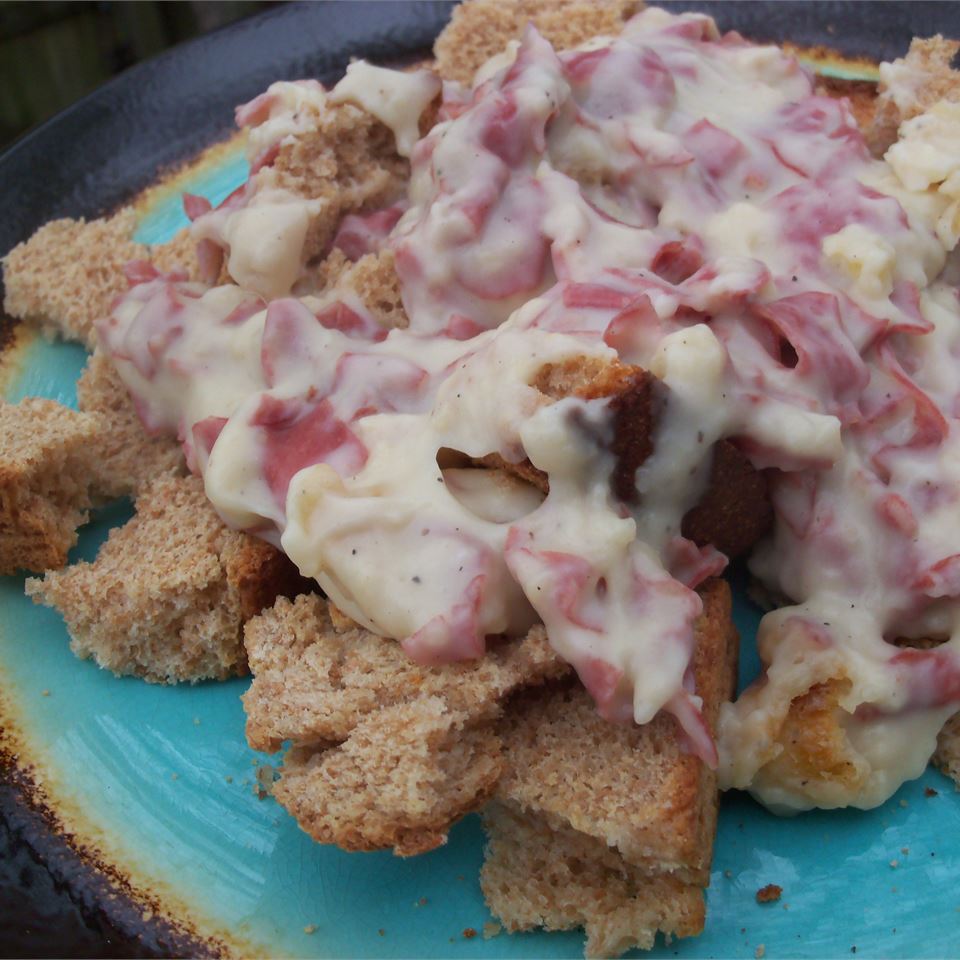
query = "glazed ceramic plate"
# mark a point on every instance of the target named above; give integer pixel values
(155, 786)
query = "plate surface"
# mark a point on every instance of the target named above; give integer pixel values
(159, 781)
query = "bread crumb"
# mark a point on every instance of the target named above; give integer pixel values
(904, 803)
(491, 930)
(930, 792)
(228, 778)
(310, 929)
(196, 721)
(760, 951)
(469, 933)
(174, 776)
(263, 782)
(894, 864)
(44, 693)
(769, 894)
(904, 850)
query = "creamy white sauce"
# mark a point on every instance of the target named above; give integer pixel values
(396, 99)
(672, 199)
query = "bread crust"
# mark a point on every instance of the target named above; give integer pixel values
(45, 452)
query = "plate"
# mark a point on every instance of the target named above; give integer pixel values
(144, 799)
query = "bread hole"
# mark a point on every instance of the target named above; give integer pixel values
(494, 495)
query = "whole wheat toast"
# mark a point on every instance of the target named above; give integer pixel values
(386, 753)
(559, 879)
(169, 592)
(602, 927)
(608, 827)
(45, 466)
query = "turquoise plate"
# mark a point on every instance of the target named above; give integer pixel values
(159, 783)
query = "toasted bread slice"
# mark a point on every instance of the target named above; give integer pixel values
(168, 594)
(635, 788)
(45, 451)
(560, 879)
(479, 29)
(125, 457)
(365, 719)
(609, 828)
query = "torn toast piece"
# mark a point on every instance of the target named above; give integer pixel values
(374, 279)
(168, 594)
(67, 274)
(480, 29)
(734, 511)
(813, 746)
(45, 454)
(64, 277)
(911, 85)
(947, 756)
(602, 826)
(560, 879)
(401, 779)
(348, 160)
(343, 159)
(125, 457)
(635, 788)
(386, 752)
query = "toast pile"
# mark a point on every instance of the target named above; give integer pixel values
(589, 824)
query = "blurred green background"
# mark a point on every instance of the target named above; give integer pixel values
(52, 53)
